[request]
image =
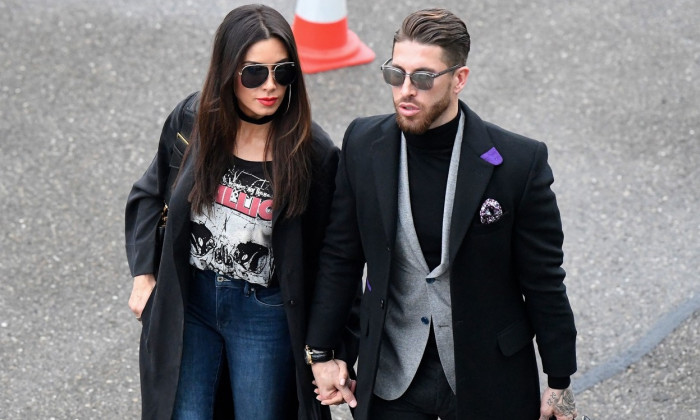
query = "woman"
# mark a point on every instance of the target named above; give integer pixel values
(245, 222)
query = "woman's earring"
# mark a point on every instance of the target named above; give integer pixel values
(290, 98)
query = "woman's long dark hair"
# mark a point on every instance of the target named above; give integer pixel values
(289, 138)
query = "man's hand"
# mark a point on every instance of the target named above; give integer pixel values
(332, 384)
(559, 403)
(141, 291)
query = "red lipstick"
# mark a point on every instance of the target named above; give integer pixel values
(268, 101)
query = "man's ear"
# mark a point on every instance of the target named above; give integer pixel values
(461, 75)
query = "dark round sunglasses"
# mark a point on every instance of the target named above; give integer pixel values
(422, 80)
(254, 75)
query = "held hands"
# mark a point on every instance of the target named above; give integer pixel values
(141, 291)
(334, 387)
(332, 383)
(558, 403)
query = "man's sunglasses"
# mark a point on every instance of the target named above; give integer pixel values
(254, 75)
(422, 80)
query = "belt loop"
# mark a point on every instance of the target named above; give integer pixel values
(248, 289)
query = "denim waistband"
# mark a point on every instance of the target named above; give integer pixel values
(209, 275)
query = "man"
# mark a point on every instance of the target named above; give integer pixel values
(462, 238)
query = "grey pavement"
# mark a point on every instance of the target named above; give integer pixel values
(611, 86)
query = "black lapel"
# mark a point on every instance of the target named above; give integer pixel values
(472, 178)
(385, 164)
(276, 214)
(180, 208)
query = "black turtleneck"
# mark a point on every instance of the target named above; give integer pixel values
(428, 158)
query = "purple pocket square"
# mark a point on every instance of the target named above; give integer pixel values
(493, 157)
(490, 211)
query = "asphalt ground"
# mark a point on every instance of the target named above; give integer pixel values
(610, 86)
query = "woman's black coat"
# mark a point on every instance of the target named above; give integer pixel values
(296, 243)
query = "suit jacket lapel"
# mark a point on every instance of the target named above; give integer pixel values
(385, 164)
(472, 178)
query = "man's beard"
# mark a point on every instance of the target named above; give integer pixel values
(419, 126)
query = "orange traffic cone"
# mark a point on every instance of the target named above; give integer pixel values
(323, 38)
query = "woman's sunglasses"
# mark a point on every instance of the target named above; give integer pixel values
(422, 80)
(254, 75)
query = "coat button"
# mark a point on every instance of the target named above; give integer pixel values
(430, 280)
(425, 320)
(292, 302)
(381, 303)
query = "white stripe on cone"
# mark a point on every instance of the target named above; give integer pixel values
(322, 11)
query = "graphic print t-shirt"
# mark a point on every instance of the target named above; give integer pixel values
(234, 237)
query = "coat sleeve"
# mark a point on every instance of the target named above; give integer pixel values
(538, 256)
(341, 263)
(147, 197)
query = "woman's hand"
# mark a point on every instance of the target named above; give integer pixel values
(141, 291)
(333, 383)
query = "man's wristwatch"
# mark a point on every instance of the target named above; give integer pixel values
(317, 356)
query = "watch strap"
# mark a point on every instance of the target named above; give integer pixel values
(318, 356)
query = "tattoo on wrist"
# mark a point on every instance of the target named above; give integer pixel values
(566, 406)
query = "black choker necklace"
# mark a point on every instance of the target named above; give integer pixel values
(258, 121)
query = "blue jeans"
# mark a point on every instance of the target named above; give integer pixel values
(247, 325)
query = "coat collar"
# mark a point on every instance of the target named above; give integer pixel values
(477, 162)
(180, 208)
(385, 163)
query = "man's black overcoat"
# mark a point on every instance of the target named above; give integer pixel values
(506, 279)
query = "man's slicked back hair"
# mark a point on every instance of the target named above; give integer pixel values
(438, 27)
